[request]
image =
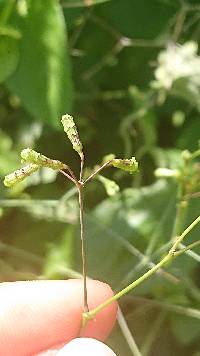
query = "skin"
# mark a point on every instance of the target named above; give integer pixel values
(40, 317)
(86, 347)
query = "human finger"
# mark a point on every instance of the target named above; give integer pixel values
(37, 315)
(85, 347)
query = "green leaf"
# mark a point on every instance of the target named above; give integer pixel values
(9, 56)
(43, 77)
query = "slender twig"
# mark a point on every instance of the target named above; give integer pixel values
(164, 248)
(181, 212)
(188, 247)
(82, 165)
(91, 314)
(147, 304)
(68, 168)
(169, 257)
(97, 171)
(181, 237)
(127, 334)
(68, 176)
(146, 259)
(134, 251)
(80, 187)
(190, 253)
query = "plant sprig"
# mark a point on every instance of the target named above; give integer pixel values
(173, 253)
(35, 160)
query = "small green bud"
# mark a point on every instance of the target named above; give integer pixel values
(31, 156)
(19, 175)
(72, 133)
(110, 186)
(128, 165)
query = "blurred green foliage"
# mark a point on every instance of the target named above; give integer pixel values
(129, 73)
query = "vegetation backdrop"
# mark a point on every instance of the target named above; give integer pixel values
(129, 73)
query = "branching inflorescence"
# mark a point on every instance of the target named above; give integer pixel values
(34, 161)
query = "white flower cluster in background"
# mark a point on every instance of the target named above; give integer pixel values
(178, 71)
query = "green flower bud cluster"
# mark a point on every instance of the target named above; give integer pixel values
(128, 165)
(31, 156)
(18, 176)
(72, 133)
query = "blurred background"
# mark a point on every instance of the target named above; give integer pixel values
(129, 73)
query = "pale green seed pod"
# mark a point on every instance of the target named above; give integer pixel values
(31, 156)
(72, 133)
(19, 175)
(128, 165)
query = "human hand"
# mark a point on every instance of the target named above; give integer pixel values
(40, 317)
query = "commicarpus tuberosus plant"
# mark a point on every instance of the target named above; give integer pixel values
(34, 161)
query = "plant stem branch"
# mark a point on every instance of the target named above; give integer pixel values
(169, 257)
(97, 171)
(188, 247)
(91, 314)
(68, 176)
(71, 172)
(82, 165)
(181, 237)
(80, 187)
(179, 219)
(127, 334)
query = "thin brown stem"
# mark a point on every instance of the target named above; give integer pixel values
(68, 176)
(82, 165)
(97, 171)
(83, 255)
(71, 172)
(80, 187)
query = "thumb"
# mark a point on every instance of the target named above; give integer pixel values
(85, 347)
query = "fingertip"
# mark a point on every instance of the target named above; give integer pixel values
(51, 312)
(101, 326)
(85, 347)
